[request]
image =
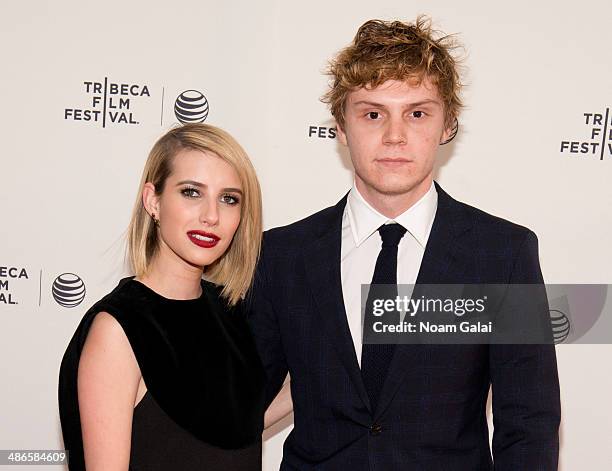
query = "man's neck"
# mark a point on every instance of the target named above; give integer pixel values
(392, 205)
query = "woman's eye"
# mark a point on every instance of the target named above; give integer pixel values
(373, 115)
(417, 114)
(190, 192)
(230, 199)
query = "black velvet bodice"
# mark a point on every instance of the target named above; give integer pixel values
(197, 360)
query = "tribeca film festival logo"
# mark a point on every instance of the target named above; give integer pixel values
(191, 106)
(322, 132)
(68, 290)
(7, 276)
(109, 103)
(599, 140)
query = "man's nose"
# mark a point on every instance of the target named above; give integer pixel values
(395, 132)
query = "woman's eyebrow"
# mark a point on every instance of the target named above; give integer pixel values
(202, 185)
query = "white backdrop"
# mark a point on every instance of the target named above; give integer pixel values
(536, 71)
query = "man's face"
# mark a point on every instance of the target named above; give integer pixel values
(393, 132)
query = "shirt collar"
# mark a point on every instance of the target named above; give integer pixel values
(365, 220)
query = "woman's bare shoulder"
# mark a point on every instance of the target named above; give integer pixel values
(107, 350)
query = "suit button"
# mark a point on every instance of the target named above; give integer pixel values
(375, 429)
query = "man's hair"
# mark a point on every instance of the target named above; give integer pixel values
(392, 50)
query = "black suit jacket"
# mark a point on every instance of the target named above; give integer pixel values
(431, 414)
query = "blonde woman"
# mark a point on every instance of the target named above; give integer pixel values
(162, 373)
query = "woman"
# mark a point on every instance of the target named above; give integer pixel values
(162, 372)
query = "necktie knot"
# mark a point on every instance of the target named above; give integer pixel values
(391, 234)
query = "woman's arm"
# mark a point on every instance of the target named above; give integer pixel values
(108, 379)
(281, 406)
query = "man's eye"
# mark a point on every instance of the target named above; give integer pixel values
(373, 115)
(417, 114)
(190, 192)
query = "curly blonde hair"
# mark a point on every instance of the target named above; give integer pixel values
(392, 50)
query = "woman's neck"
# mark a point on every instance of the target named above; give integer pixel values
(173, 279)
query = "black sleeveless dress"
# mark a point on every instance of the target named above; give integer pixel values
(204, 405)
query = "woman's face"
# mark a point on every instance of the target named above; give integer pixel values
(199, 208)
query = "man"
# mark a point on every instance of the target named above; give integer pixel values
(395, 97)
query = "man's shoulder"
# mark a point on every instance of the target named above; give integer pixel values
(460, 215)
(306, 229)
(485, 225)
(482, 218)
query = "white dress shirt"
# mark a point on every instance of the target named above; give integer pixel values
(361, 244)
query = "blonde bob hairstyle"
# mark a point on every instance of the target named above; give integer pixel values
(234, 270)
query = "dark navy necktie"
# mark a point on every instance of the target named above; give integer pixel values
(375, 358)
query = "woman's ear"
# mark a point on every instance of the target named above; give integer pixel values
(150, 200)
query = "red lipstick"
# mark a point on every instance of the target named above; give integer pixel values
(203, 239)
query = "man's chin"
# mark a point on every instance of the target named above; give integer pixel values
(401, 187)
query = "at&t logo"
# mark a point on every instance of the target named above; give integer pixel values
(68, 290)
(191, 106)
(560, 325)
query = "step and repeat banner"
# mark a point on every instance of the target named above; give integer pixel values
(86, 89)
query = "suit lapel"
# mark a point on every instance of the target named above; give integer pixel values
(442, 263)
(322, 264)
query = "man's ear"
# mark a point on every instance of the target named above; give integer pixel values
(341, 134)
(150, 200)
(449, 132)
